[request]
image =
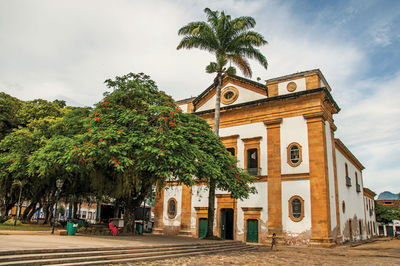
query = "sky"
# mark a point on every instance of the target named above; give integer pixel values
(66, 49)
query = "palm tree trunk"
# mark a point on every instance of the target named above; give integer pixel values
(211, 194)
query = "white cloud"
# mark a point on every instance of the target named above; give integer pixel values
(52, 49)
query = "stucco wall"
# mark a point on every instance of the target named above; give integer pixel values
(255, 200)
(301, 86)
(354, 202)
(289, 189)
(184, 108)
(172, 192)
(249, 131)
(294, 129)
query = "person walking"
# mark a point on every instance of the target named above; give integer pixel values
(273, 242)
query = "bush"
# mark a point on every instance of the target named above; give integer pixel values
(3, 219)
(11, 222)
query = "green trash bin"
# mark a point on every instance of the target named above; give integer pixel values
(139, 228)
(71, 228)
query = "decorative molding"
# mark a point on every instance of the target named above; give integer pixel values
(258, 209)
(293, 177)
(273, 122)
(291, 86)
(254, 139)
(233, 137)
(230, 89)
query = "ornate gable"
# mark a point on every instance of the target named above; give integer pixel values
(235, 90)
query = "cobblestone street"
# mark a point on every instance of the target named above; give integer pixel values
(376, 253)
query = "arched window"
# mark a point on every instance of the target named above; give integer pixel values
(296, 208)
(171, 211)
(294, 157)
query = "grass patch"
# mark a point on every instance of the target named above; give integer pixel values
(25, 227)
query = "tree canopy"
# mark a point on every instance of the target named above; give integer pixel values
(132, 139)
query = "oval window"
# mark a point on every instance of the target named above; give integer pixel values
(294, 154)
(296, 208)
(171, 208)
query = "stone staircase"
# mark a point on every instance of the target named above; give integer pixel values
(115, 255)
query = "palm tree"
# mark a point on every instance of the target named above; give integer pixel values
(231, 41)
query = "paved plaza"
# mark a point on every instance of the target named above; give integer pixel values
(376, 253)
(380, 252)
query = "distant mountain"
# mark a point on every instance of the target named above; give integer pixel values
(386, 195)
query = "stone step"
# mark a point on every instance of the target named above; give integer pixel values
(156, 257)
(51, 250)
(65, 253)
(90, 256)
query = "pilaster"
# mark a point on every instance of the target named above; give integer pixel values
(319, 180)
(186, 211)
(274, 176)
(158, 210)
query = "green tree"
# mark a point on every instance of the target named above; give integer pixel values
(28, 133)
(386, 214)
(138, 137)
(231, 41)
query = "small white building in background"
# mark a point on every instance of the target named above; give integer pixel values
(391, 229)
(310, 186)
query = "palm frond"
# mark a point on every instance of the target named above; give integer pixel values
(253, 53)
(212, 16)
(212, 68)
(241, 63)
(189, 42)
(231, 71)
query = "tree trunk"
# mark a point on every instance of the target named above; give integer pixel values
(129, 217)
(211, 194)
(74, 213)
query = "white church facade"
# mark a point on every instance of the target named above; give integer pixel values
(309, 185)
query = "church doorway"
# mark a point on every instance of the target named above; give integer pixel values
(226, 223)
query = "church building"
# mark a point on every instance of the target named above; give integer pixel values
(309, 185)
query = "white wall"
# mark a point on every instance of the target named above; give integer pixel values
(294, 129)
(183, 107)
(249, 131)
(370, 218)
(255, 200)
(353, 200)
(331, 175)
(172, 192)
(199, 199)
(245, 95)
(289, 189)
(301, 86)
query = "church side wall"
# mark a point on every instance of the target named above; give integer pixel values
(352, 211)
